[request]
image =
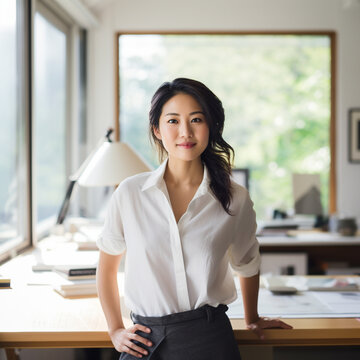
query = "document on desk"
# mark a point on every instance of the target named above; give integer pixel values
(47, 260)
(313, 283)
(341, 302)
(302, 305)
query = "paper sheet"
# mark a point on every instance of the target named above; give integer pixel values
(308, 304)
(341, 302)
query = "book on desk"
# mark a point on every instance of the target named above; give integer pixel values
(4, 282)
(69, 288)
(76, 272)
(69, 272)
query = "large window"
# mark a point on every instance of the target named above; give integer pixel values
(41, 130)
(14, 200)
(275, 90)
(50, 113)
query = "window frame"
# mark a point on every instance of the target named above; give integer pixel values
(333, 56)
(62, 21)
(42, 228)
(75, 115)
(23, 118)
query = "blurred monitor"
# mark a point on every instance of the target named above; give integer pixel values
(307, 194)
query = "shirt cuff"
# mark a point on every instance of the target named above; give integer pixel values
(250, 269)
(110, 244)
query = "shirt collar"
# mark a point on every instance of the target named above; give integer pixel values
(156, 179)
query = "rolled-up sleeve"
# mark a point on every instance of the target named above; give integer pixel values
(244, 251)
(111, 239)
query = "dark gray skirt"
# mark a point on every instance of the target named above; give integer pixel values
(201, 334)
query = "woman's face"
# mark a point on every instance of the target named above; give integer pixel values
(183, 129)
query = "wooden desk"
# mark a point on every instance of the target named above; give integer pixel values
(38, 317)
(320, 248)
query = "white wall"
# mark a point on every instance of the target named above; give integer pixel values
(342, 16)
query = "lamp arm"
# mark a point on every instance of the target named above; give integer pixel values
(65, 205)
(74, 178)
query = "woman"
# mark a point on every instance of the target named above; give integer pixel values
(181, 226)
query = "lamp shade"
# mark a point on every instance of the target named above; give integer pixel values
(110, 164)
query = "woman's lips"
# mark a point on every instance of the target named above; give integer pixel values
(187, 145)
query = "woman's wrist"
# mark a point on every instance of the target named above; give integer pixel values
(252, 320)
(114, 329)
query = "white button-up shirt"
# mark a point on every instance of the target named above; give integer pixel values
(172, 267)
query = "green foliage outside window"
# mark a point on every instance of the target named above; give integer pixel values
(275, 90)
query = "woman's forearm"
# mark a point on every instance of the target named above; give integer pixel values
(108, 292)
(250, 291)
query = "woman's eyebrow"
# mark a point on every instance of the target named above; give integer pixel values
(192, 113)
(197, 112)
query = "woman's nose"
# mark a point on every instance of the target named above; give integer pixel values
(185, 129)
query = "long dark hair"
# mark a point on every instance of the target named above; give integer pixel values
(218, 155)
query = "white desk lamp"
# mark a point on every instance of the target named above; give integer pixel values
(109, 164)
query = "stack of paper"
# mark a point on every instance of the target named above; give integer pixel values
(69, 288)
(48, 260)
(75, 271)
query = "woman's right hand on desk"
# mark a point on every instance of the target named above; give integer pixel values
(266, 323)
(123, 340)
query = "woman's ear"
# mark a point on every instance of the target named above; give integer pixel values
(157, 132)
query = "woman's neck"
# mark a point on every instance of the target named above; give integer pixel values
(180, 172)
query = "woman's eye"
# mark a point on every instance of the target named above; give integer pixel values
(172, 121)
(196, 120)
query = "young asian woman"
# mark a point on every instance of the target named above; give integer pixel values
(185, 227)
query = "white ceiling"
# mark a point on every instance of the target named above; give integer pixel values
(97, 5)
